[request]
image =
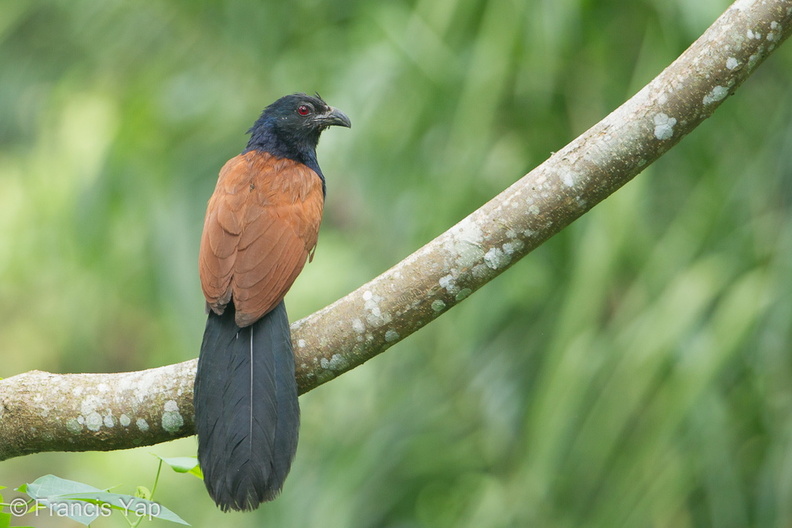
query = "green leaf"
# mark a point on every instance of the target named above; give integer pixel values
(183, 465)
(51, 491)
(50, 485)
(84, 503)
(130, 505)
(5, 521)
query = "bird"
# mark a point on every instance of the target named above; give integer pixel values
(261, 226)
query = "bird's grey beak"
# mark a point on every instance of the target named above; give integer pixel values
(335, 117)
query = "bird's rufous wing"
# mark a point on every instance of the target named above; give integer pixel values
(261, 226)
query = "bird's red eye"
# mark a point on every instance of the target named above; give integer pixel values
(303, 110)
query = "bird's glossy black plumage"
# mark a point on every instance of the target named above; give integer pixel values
(283, 131)
(247, 415)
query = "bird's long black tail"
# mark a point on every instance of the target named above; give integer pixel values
(246, 411)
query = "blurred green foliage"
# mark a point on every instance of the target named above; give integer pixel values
(634, 371)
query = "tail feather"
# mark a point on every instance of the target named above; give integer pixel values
(246, 411)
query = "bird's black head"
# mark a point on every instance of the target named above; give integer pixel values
(290, 127)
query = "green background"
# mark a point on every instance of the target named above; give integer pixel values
(634, 371)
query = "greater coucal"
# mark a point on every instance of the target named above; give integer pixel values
(261, 226)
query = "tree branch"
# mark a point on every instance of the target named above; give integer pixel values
(78, 412)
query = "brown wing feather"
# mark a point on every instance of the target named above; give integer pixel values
(261, 225)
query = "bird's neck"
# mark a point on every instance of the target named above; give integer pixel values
(299, 149)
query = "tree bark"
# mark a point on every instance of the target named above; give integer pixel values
(79, 412)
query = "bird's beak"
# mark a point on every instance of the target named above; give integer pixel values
(335, 117)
